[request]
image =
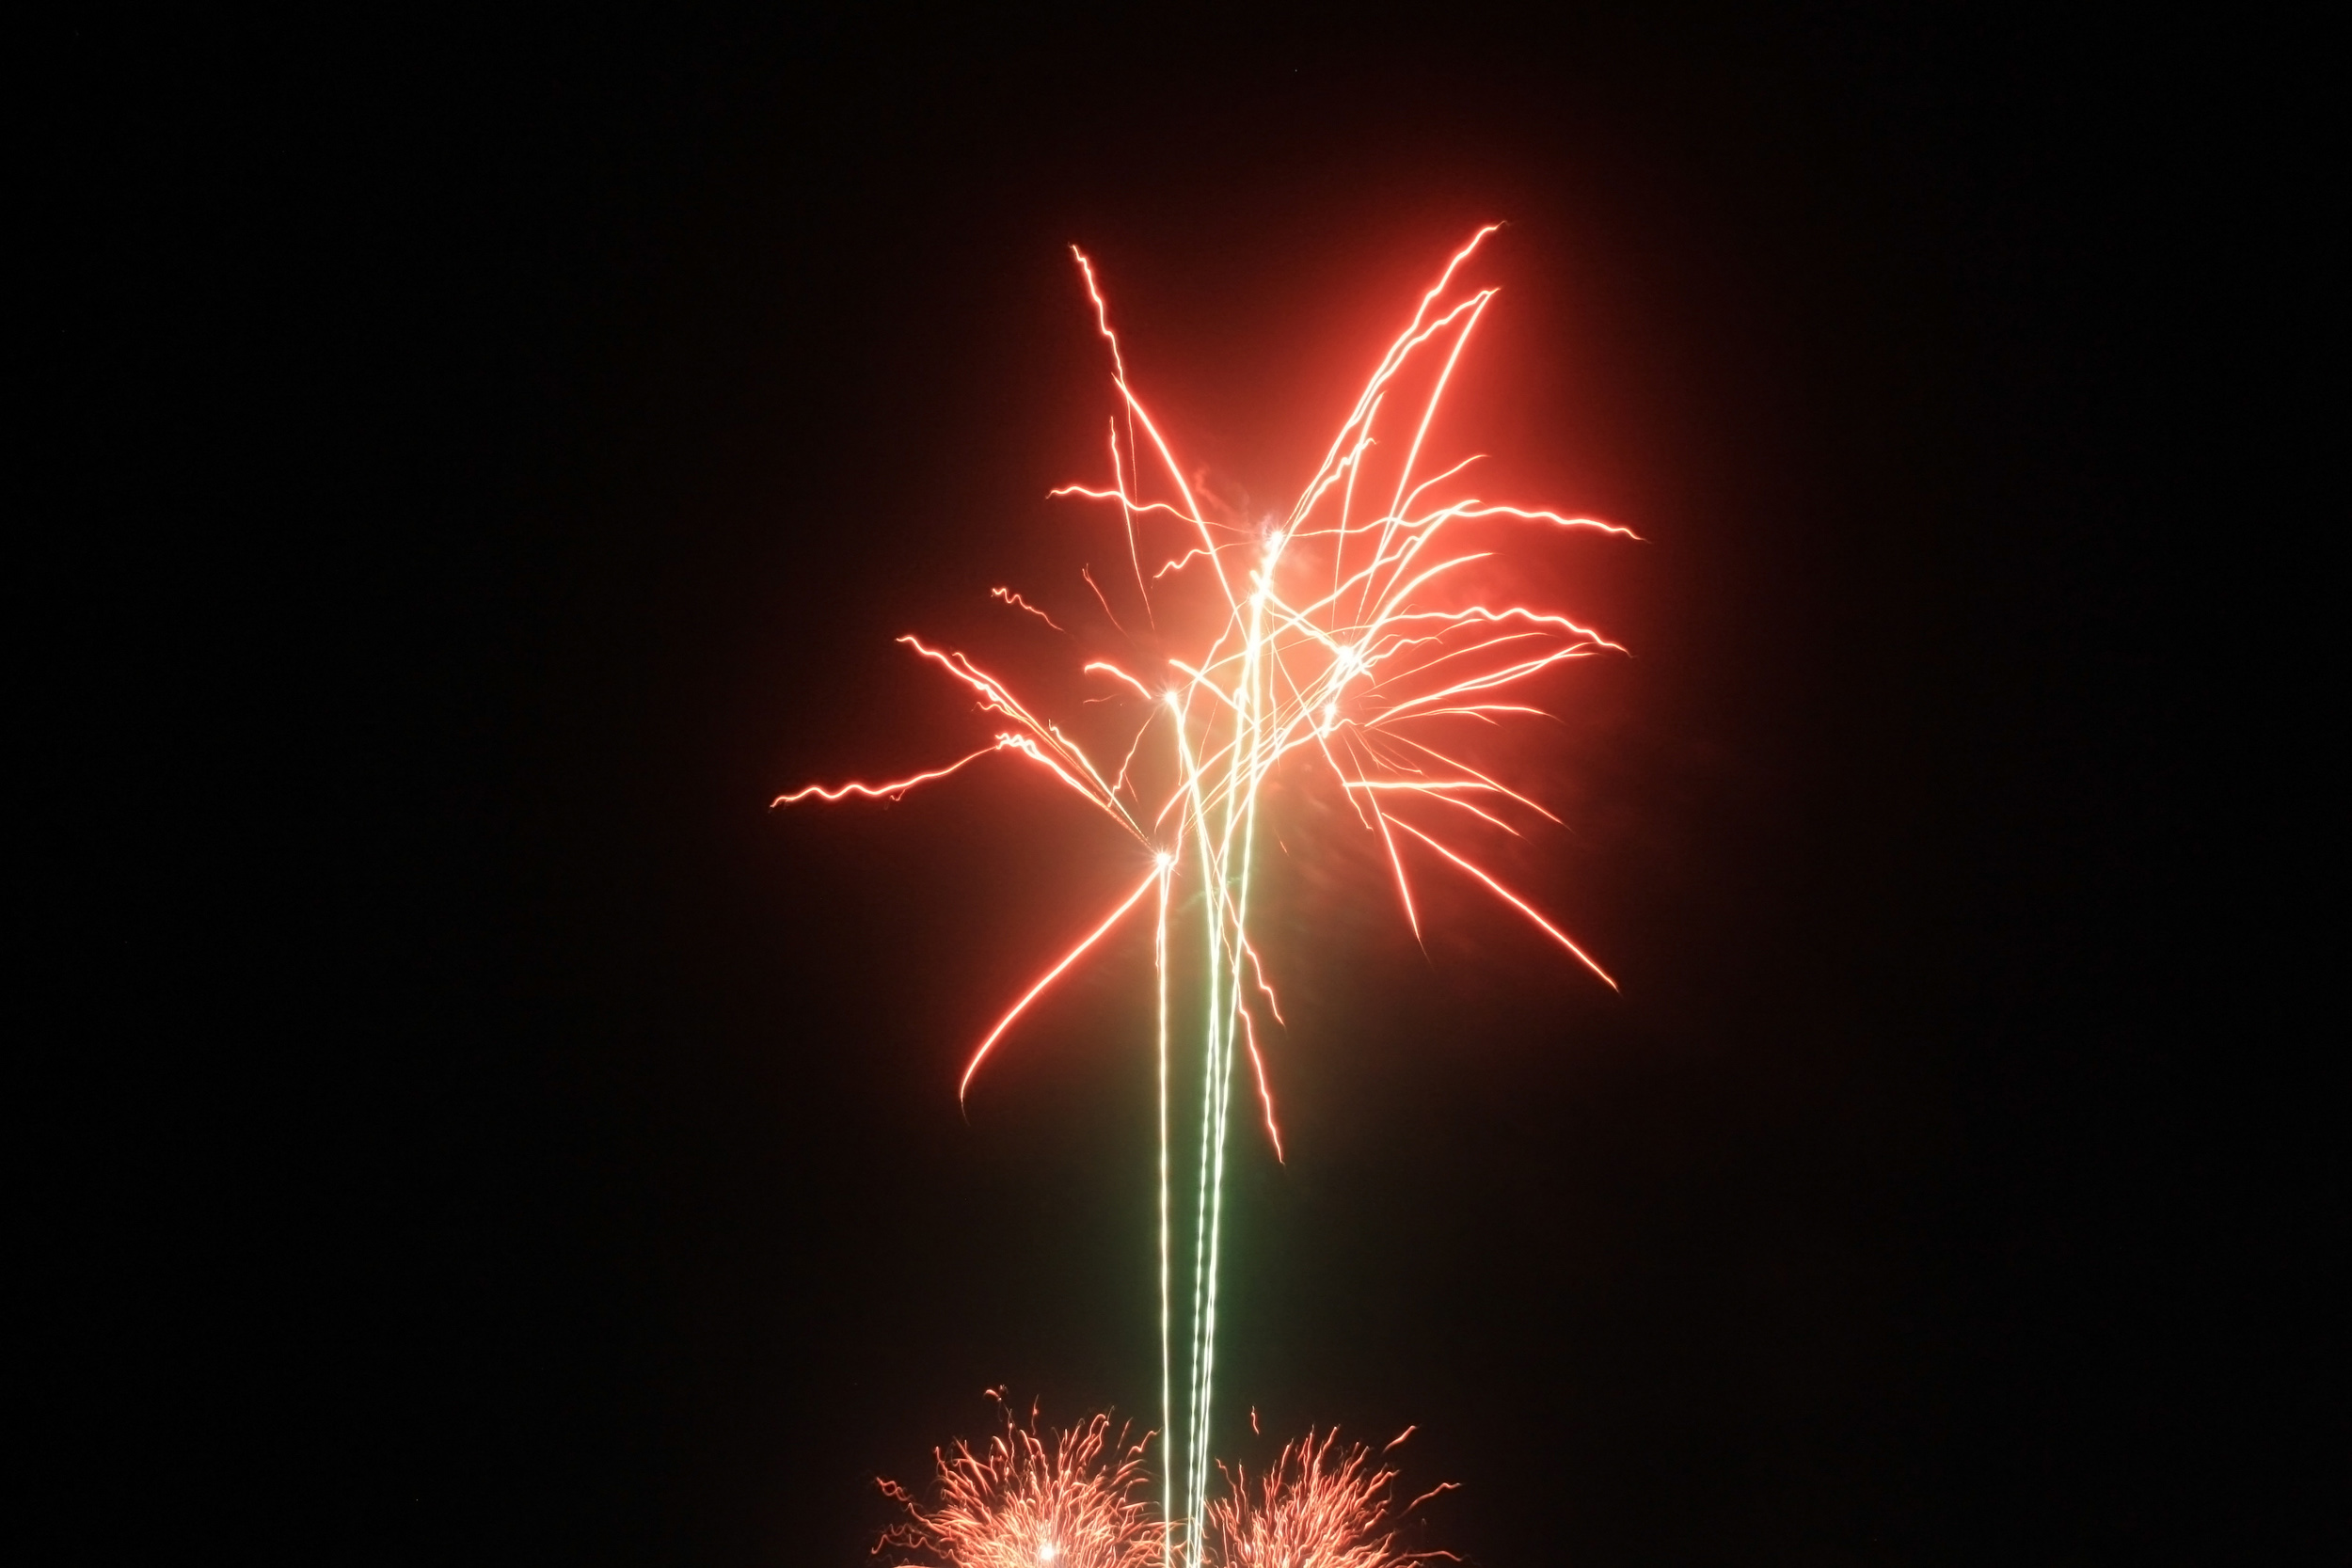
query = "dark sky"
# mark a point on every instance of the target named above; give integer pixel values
(630, 385)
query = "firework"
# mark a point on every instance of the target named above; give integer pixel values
(1337, 642)
(1031, 1499)
(1317, 1505)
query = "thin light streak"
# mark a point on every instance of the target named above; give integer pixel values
(964, 1084)
(1513, 900)
(890, 791)
(1019, 603)
(1109, 669)
(1102, 600)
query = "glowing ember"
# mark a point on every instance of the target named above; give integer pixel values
(1337, 643)
(1027, 1498)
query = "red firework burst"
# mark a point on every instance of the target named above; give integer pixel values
(1035, 1498)
(1317, 1505)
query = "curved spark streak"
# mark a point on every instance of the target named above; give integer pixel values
(1513, 900)
(1265, 1095)
(1474, 458)
(1202, 683)
(1476, 307)
(1019, 603)
(1119, 372)
(1404, 887)
(1176, 473)
(1435, 791)
(1397, 351)
(1102, 312)
(1109, 669)
(1117, 495)
(1528, 515)
(1185, 560)
(1257, 967)
(1473, 772)
(1052, 974)
(1128, 761)
(1097, 587)
(881, 791)
(1514, 612)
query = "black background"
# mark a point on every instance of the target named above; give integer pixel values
(563, 416)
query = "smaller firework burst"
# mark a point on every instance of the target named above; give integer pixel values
(1317, 1505)
(1035, 1498)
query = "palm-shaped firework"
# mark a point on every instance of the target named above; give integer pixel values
(1336, 642)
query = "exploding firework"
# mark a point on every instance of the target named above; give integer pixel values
(1031, 1499)
(1317, 1505)
(1341, 643)
(1037, 1498)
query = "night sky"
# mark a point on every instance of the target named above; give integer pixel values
(631, 384)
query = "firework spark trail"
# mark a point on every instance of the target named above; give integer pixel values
(1340, 634)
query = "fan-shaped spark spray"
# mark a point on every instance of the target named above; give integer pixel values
(1317, 1505)
(1029, 1499)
